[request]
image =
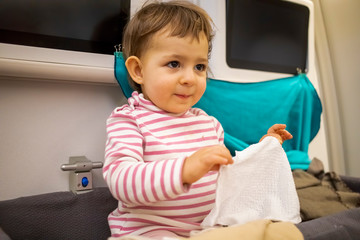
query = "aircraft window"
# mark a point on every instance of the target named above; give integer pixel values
(267, 35)
(90, 26)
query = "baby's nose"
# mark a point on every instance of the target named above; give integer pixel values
(188, 77)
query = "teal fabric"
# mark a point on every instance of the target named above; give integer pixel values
(247, 110)
(121, 74)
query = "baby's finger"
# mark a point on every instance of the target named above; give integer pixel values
(276, 127)
(275, 135)
(225, 153)
(215, 168)
(285, 135)
(223, 161)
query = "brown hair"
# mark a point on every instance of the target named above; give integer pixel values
(181, 18)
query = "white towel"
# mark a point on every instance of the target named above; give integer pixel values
(258, 185)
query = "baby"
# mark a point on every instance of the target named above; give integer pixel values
(162, 155)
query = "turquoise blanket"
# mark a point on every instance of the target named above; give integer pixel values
(247, 110)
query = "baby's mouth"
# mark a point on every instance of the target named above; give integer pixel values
(182, 96)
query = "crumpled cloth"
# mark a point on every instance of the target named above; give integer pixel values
(258, 185)
(322, 194)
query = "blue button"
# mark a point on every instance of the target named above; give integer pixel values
(84, 181)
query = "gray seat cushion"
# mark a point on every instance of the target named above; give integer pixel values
(58, 215)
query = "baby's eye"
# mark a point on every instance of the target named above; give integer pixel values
(200, 67)
(173, 64)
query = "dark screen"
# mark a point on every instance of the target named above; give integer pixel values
(267, 35)
(79, 25)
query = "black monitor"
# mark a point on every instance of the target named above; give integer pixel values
(79, 25)
(267, 35)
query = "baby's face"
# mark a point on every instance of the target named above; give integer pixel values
(174, 71)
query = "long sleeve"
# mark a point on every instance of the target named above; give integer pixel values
(129, 177)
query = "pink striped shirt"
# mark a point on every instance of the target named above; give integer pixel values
(144, 154)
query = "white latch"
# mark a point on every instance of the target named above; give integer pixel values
(80, 177)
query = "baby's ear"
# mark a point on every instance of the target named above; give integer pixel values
(134, 68)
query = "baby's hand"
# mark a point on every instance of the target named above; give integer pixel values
(278, 131)
(205, 160)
